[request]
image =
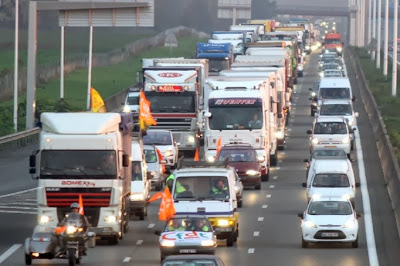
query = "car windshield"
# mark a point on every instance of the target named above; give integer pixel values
(150, 156)
(331, 180)
(330, 66)
(335, 109)
(329, 153)
(329, 208)
(237, 155)
(189, 262)
(157, 138)
(334, 93)
(201, 188)
(188, 224)
(136, 171)
(330, 73)
(330, 128)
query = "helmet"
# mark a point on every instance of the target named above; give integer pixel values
(74, 205)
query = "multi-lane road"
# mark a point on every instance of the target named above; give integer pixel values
(269, 227)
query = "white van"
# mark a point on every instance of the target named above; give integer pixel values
(335, 88)
(141, 184)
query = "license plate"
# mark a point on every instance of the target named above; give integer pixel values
(187, 251)
(333, 234)
(330, 146)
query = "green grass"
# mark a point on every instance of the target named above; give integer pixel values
(76, 42)
(381, 89)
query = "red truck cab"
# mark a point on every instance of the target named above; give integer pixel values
(333, 40)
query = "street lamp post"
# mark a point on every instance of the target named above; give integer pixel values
(386, 41)
(394, 61)
(15, 115)
(373, 29)
(379, 32)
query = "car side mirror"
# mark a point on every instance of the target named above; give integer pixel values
(304, 184)
(351, 131)
(354, 128)
(300, 215)
(125, 160)
(32, 171)
(32, 161)
(157, 232)
(354, 99)
(356, 114)
(358, 215)
(306, 161)
(309, 132)
(358, 184)
(310, 89)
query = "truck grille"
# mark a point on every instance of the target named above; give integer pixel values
(173, 124)
(92, 197)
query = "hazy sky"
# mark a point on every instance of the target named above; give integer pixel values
(335, 3)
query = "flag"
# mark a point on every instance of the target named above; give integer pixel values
(81, 211)
(96, 102)
(219, 146)
(167, 208)
(155, 197)
(145, 117)
(160, 158)
(196, 155)
(169, 203)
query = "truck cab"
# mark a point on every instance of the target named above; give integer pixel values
(333, 40)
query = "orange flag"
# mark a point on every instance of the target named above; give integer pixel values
(160, 158)
(145, 117)
(81, 211)
(96, 102)
(169, 203)
(196, 155)
(167, 208)
(155, 197)
(219, 146)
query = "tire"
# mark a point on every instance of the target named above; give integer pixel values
(28, 259)
(353, 203)
(352, 145)
(71, 257)
(281, 147)
(304, 244)
(258, 187)
(312, 112)
(162, 258)
(273, 160)
(114, 240)
(78, 261)
(240, 203)
(349, 156)
(141, 216)
(230, 240)
(355, 243)
(236, 235)
(265, 177)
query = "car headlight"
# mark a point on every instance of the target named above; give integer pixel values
(339, 49)
(127, 109)
(321, 74)
(168, 243)
(252, 172)
(168, 153)
(315, 141)
(237, 189)
(279, 134)
(346, 140)
(350, 224)
(207, 243)
(340, 68)
(310, 224)
(44, 219)
(210, 159)
(137, 197)
(313, 94)
(307, 47)
(350, 122)
(315, 196)
(225, 222)
(190, 139)
(71, 229)
(111, 219)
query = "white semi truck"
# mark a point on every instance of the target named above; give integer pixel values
(85, 155)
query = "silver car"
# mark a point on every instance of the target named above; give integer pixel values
(154, 167)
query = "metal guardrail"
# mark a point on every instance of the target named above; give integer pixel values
(19, 139)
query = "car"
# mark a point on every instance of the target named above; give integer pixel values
(329, 219)
(324, 154)
(334, 88)
(330, 132)
(243, 157)
(331, 177)
(132, 101)
(209, 188)
(187, 234)
(332, 73)
(209, 260)
(155, 169)
(164, 141)
(329, 66)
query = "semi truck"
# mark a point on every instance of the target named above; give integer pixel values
(236, 38)
(85, 155)
(220, 55)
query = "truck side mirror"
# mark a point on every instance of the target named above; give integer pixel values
(354, 99)
(304, 184)
(32, 161)
(32, 171)
(125, 160)
(309, 132)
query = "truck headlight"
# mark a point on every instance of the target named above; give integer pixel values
(321, 74)
(207, 243)
(111, 219)
(127, 109)
(350, 224)
(225, 222)
(168, 153)
(190, 139)
(307, 47)
(210, 159)
(316, 196)
(346, 140)
(167, 243)
(44, 219)
(300, 68)
(279, 134)
(310, 224)
(252, 172)
(137, 197)
(339, 49)
(315, 141)
(346, 196)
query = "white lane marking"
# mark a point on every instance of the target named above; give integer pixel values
(256, 233)
(18, 192)
(271, 186)
(291, 120)
(282, 152)
(17, 207)
(275, 177)
(260, 219)
(9, 251)
(289, 129)
(19, 212)
(269, 195)
(369, 228)
(139, 242)
(251, 250)
(150, 226)
(265, 206)
(126, 259)
(280, 161)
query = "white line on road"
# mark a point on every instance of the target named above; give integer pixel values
(150, 226)
(126, 259)
(260, 219)
(18, 192)
(289, 129)
(265, 206)
(10, 251)
(256, 233)
(268, 195)
(282, 152)
(275, 177)
(251, 250)
(139, 242)
(271, 186)
(369, 228)
(30, 200)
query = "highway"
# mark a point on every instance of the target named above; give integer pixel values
(269, 227)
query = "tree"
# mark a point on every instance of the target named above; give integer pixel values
(263, 9)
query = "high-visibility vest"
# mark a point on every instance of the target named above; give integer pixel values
(217, 191)
(172, 228)
(170, 177)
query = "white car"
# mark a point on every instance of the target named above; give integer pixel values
(340, 108)
(332, 73)
(329, 220)
(154, 167)
(163, 141)
(132, 101)
(330, 133)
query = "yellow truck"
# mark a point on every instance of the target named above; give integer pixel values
(269, 24)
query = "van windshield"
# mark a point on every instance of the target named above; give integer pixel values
(334, 93)
(331, 180)
(201, 188)
(157, 138)
(133, 100)
(330, 128)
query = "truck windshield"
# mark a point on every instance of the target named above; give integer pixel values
(217, 65)
(169, 102)
(238, 117)
(332, 41)
(201, 188)
(78, 164)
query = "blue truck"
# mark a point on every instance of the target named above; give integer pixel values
(219, 55)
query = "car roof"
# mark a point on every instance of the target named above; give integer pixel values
(331, 166)
(183, 216)
(190, 257)
(320, 119)
(329, 199)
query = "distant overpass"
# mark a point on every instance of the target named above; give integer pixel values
(327, 11)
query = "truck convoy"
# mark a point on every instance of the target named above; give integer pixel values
(85, 155)
(220, 55)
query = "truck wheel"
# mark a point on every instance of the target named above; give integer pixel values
(240, 203)
(114, 240)
(230, 240)
(78, 261)
(28, 259)
(258, 187)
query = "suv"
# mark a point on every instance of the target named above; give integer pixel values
(330, 132)
(243, 157)
(163, 141)
(209, 189)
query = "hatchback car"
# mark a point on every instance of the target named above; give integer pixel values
(164, 141)
(329, 220)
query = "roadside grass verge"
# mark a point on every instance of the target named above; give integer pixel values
(381, 88)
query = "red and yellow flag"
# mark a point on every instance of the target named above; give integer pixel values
(167, 208)
(96, 102)
(219, 146)
(81, 211)
(145, 117)
(196, 155)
